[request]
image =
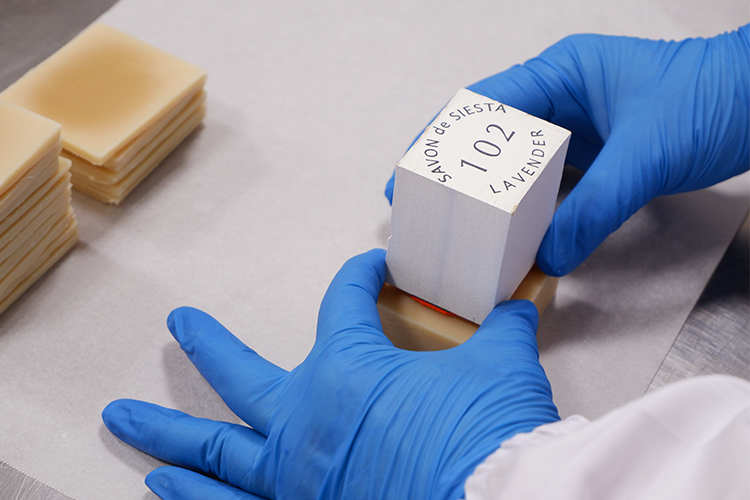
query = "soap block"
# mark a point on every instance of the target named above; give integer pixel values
(37, 224)
(417, 326)
(473, 198)
(124, 105)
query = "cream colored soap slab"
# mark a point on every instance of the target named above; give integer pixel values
(26, 185)
(29, 237)
(37, 223)
(61, 177)
(28, 273)
(115, 193)
(126, 156)
(34, 252)
(57, 198)
(37, 233)
(55, 187)
(106, 175)
(106, 88)
(25, 139)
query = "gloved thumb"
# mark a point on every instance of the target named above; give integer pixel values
(509, 331)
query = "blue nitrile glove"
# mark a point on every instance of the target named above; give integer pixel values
(358, 419)
(648, 118)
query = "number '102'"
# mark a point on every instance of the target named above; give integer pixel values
(488, 148)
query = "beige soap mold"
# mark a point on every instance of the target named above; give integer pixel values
(411, 324)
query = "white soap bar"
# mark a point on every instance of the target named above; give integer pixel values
(473, 198)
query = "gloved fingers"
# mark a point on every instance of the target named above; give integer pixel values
(622, 179)
(350, 303)
(176, 483)
(509, 331)
(582, 152)
(243, 379)
(552, 87)
(229, 452)
(389, 188)
(542, 87)
(519, 87)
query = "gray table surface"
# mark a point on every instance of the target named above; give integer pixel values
(310, 106)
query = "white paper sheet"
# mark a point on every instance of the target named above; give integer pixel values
(310, 105)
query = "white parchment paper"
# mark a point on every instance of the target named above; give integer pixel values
(310, 105)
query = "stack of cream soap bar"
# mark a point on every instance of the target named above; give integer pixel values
(124, 105)
(37, 225)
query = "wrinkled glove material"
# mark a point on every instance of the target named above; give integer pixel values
(358, 418)
(648, 118)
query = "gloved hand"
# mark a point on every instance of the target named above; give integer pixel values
(357, 419)
(648, 118)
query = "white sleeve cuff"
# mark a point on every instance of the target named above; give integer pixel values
(690, 440)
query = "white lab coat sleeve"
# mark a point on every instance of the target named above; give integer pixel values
(686, 441)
